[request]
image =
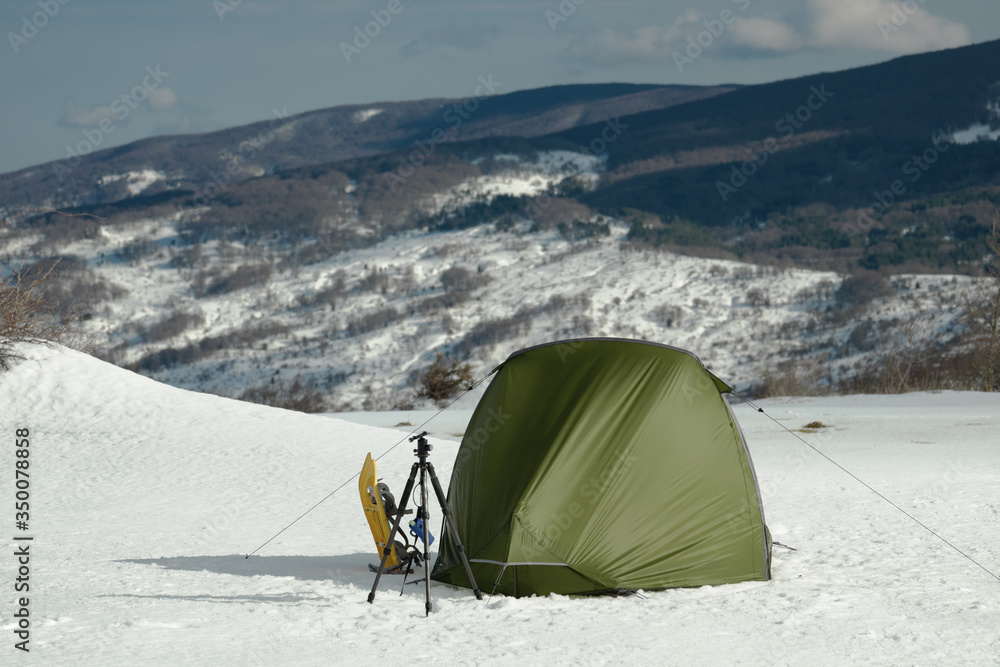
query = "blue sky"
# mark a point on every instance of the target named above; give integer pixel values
(68, 65)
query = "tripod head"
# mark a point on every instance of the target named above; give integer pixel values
(423, 447)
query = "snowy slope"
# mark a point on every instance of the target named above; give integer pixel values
(741, 320)
(146, 497)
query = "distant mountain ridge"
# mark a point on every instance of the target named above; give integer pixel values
(877, 115)
(188, 162)
(817, 170)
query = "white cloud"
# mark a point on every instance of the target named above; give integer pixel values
(884, 25)
(760, 34)
(895, 26)
(646, 43)
(86, 117)
(160, 99)
(655, 43)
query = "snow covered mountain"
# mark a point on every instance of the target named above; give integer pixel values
(359, 325)
(349, 247)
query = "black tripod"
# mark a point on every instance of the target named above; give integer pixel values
(422, 451)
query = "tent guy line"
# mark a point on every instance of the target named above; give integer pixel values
(759, 409)
(355, 475)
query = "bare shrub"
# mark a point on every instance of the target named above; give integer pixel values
(556, 303)
(459, 279)
(213, 282)
(861, 337)
(371, 321)
(442, 251)
(26, 316)
(300, 396)
(329, 295)
(581, 326)
(490, 332)
(173, 325)
(187, 258)
(243, 338)
(758, 298)
(375, 281)
(804, 295)
(59, 232)
(667, 315)
(824, 290)
(435, 304)
(912, 357)
(862, 287)
(271, 207)
(78, 289)
(443, 379)
(138, 249)
(981, 316)
(28, 311)
(313, 253)
(792, 378)
(907, 359)
(718, 271)
(578, 230)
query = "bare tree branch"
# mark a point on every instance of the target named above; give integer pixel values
(26, 314)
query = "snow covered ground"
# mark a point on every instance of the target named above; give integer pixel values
(135, 181)
(145, 499)
(519, 178)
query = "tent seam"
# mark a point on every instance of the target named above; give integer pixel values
(756, 483)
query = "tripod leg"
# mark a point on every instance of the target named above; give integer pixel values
(427, 554)
(450, 523)
(395, 529)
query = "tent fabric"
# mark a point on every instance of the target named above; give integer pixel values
(597, 465)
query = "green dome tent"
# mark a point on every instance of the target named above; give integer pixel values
(598, 465)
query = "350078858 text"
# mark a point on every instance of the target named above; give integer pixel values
(22, 552)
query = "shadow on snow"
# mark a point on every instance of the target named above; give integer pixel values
(350, 569)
